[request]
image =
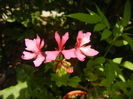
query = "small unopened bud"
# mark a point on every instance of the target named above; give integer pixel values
(69, 70)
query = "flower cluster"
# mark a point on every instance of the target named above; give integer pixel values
(80, 51)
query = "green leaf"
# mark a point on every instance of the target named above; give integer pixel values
(90, 64)
(127, 13)
(11, 19)
(99, 60)
(41, 93)
(119, 73)
(118, 29)
(92, 19)
(130, 85)
(74, 81)
(60, 80)
(91, 12)
(110, 72)
(117, 60)
(104, 19)
(128, 28)
(128, 65)
(65, 80)
(119, 43)
(106, 34)
(122, 86)
(48, 66)
(111, 69)
(128, 39)
(25, 70)
(26, 22)
(89, 76)
(99, 27)
(13, 91)
(121, 77)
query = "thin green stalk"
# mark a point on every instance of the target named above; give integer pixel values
(110, 46)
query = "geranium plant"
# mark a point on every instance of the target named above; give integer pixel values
(80, 51)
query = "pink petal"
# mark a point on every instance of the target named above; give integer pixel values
(51, 55)
(79, 55)
(42, 44)
(37, 41)
(39, 59)
(58, 39)
(86, 38)
(88, 51)
(28, 55)
(31, 45)
(80, 35)
(83, 38)
(64, 38)
(69, 53)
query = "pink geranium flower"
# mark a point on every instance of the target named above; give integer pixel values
(51, 55)
(33, 48)
(81, 50)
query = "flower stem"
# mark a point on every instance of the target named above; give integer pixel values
(110, 46)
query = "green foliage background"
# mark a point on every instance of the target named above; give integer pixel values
(107, 75)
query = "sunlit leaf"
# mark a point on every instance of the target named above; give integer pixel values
(117, 60)
(11, 19)
(13, 91)
(91, 12)
(128, 65)
(122, 77)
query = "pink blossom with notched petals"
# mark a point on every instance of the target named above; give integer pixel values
(81, 50)
(33, 48)
(51, 55)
